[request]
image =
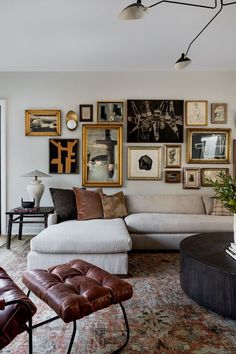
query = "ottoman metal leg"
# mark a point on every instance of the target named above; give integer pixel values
(127, 329)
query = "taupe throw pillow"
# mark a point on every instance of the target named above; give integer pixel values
(113, 205)
(88, 204)
(219, 209)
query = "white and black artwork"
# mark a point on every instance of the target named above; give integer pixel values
(150, 121)
(144, 162)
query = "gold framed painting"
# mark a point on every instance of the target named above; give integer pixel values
(208, 145)
(191, 178)
(110, 111)
(219, 113)
(172, 176)
(196, 113)
(208, 174)
(42, 122)
(102, 155)
(144, 163)
(172, 156)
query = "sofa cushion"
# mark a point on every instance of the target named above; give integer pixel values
(88, 204)
(64, 203)
(113, 205)
(177, 223)
(92, 236)
(168, 204)
(219, 208)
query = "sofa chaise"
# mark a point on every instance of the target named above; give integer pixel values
(154, 222)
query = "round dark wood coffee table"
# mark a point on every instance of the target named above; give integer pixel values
(208, 273)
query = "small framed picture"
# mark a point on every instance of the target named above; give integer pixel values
(196, 113)
(86, 112)
(144, 163)
(63, 156)
(191, 178)
(110, 112)
(42, 122)
(211, 174)
(172, 176)
(219, 113)
(172, 156)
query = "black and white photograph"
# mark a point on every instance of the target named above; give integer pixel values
(42, 122)
(208, 145)
(155, 121)
(102, 155)
(144, 162)
(110, 112)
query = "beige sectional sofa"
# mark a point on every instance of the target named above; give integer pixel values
(154, 222)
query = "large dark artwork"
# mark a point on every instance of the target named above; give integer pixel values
(155, 121)
(63, 156)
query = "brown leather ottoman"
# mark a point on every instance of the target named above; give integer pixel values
(76, 290)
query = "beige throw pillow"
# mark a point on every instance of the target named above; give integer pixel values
(219, 209)
(113, 205)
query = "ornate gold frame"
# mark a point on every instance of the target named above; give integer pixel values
(190, 159)
(196, 172)
(158, 150)
(85, 130)
(42, 112)
(205, 183)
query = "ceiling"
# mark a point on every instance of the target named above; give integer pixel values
(76, 35)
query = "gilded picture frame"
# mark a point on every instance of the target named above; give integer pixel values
(102, 155)
(211, 173)
(196, 113)
(172, 176)
(208, 146)
(144, 163)
(42, 122)
(191, 178)
(172, 156)
(219, 113)
(110, 112)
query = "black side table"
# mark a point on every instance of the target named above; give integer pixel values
(21, 214)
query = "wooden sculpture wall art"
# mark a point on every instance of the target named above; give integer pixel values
(102, 155)
(63, 155)
(155, 121)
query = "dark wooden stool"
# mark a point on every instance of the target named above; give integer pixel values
(76, 290)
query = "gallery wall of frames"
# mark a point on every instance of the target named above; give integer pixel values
(156, 132)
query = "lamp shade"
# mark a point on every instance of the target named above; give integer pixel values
(182, 62)
(134, 11)
(35, 173)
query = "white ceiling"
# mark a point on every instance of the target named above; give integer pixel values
(76, 35)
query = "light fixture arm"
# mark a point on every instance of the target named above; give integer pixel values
(183, 3)
(190, 44)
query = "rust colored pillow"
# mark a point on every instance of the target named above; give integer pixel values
(88, 204)
(113, 205)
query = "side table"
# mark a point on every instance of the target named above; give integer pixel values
(18, 216)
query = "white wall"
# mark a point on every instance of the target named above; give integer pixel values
(65, 91)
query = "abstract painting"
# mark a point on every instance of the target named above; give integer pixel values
(63, 156)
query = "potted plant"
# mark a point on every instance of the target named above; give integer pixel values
(225, 190)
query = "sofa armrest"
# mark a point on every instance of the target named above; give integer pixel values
(52, 219)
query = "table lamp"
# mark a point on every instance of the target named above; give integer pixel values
(35, 188)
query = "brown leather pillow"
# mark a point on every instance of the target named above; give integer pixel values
(88, 204)
(113, 205)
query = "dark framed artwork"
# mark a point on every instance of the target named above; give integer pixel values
(63, 156)
(172, 156)
(86, 112)
(155, 121)
(191, 179)
(102, 155)
(172, 176)
(208, 174)
(42, 122)
(110, 112)
(219, 113)
(208, 145)
(144, 163)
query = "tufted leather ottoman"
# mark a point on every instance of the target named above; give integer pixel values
(76, 290)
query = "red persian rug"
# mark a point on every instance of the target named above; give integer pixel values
(162, 318)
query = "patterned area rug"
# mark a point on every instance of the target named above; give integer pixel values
(162, 318)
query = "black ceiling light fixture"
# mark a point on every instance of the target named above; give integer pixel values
(137, 11)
